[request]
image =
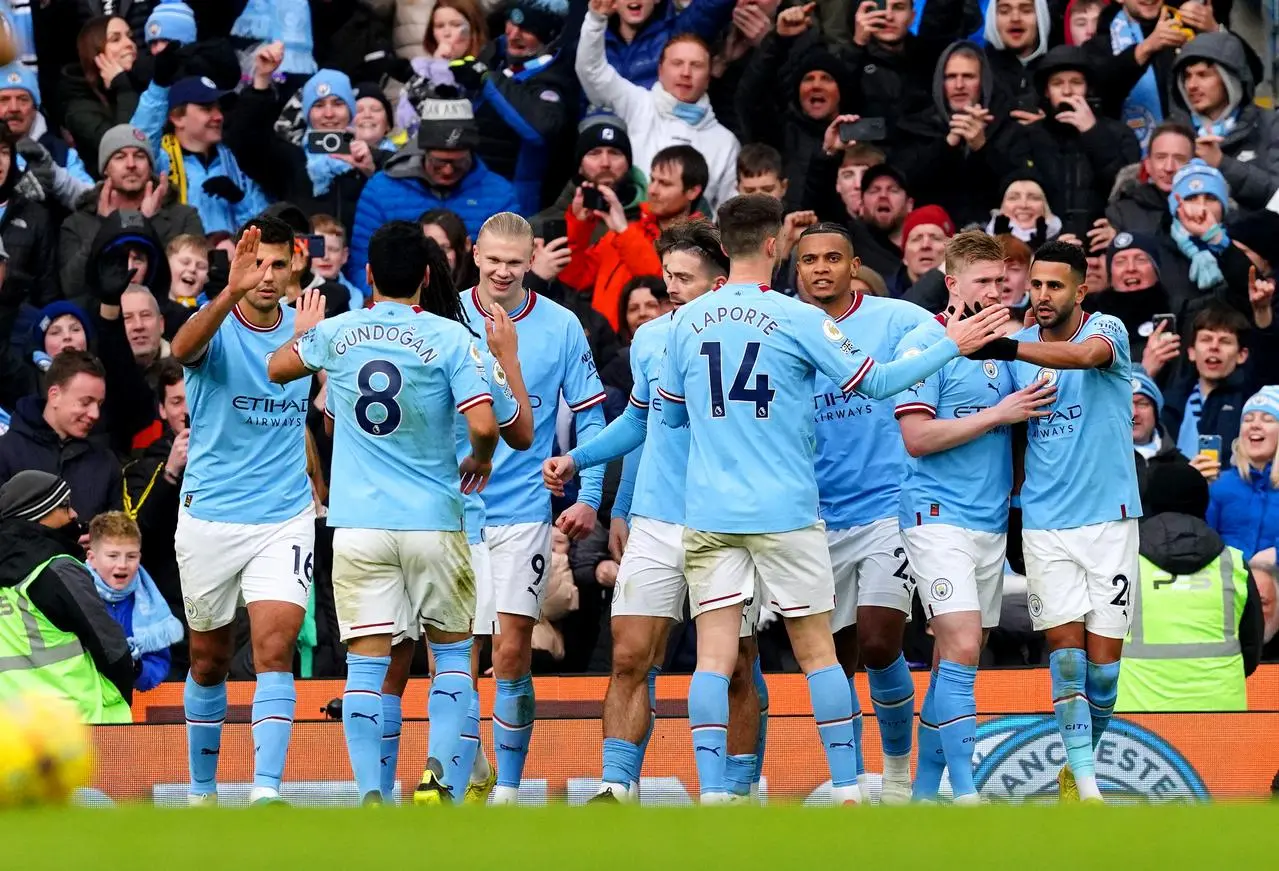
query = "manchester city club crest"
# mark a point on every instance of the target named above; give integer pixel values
(1048, 377)
(323, 89)
(990, 368)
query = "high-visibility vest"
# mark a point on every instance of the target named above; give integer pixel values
(1182, 653)
(36, 656)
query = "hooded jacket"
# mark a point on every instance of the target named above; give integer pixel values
(932, 167)
(27, 230)
(1078, 168)
(79, 230)
(401, 191)
(90, 470)
(1015, 75)
(650, 115)
(1182, 544)
(1251, 146)
(65, 595)
(1136, 205)
(769, 109)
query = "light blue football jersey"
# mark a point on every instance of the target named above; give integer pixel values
(507, 410)
(968, 485)
(1079, 460)
(246, 462)
(556, 361)
(741, 361)
(860, 455)
(398, 377)
(659, 481)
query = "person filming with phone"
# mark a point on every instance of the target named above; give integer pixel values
(327, 173)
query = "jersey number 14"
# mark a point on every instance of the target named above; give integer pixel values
(760, 394)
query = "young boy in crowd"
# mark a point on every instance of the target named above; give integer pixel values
(336, 252)
(131, 597)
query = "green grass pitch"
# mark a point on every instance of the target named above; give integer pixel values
(559, 837)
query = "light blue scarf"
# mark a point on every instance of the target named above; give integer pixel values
(1202, 253)
(690, 113)
(154, 626)
(286, 20)
(1222, 128)
(323, 169)
(1188, 435)
(1141, 110)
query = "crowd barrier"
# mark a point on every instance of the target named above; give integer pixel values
(1144, 757)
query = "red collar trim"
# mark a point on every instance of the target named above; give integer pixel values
(279, 316)
(522, 313)
(852, 307)
(1079, 329)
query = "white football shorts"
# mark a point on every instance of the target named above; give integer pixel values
(870, 568)
(957, 569)
(790, 571)
(519, 562)
(1084, 574)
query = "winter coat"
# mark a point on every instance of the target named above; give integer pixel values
(768, 106)
(1136, 205)
(401, 192)
(526, 123)
(895, 84)
(90, 470)
(216, 213)
(65, 595)
(932, 166)
(279, 166)
(411, 20)
(1015, 77)
(1245, 509)
(153, 666)
(75, 240)
(27, 230)
(636, 61)
(1079, 169)
(649, 115)
(600, 270)
(1251, 148)
(87, 116)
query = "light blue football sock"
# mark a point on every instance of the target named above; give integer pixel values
(957, 722)
(513, 711)
(859, 724)
(274, 699)
(450, 697)
(392, 721)
(652, 720)
(833, 710)
(1069, 669)
(457, 770)
(739, 770)
(761, 690)
(892, 695)
(932, 758)
(1102, 688)
(621, 761)
(708, 718)
(362, 719)
(205, 710)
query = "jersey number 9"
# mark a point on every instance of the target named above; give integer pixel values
(376, 411)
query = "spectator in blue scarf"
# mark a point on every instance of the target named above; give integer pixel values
(131, 597)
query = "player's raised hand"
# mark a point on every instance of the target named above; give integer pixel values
(310, 310)
(246, 271)
(1030, 401)
(503, 340)
(475, 474)
(556, 472)
(576, 521)
(972, 332)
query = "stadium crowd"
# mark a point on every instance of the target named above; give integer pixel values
(138, 137)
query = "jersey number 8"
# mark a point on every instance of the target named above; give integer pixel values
(380, 395)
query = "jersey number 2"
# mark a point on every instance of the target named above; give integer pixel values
(760, 393)
(382, 397)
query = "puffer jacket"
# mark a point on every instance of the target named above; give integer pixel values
(27, 230)
(637, 60)
(411, 19)
(402, 192)
(1245, 510)
(1251, 147)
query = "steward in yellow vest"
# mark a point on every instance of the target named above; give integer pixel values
(1196, 623)
(56, 636)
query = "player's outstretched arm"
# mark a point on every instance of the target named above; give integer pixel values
(286, 364)
(481, 429)
(925, 434)
(1095, 352)
(246, 274)
(503, 344)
